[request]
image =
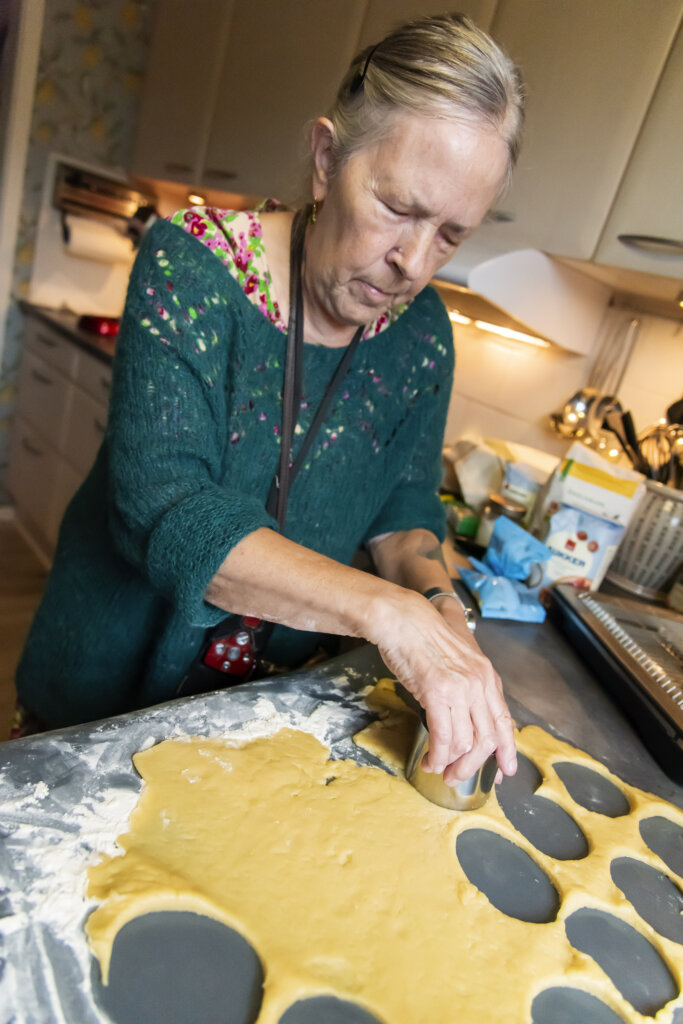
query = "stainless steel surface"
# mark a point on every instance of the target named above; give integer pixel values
(461, 796)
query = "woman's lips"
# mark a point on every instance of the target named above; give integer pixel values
(376, 294)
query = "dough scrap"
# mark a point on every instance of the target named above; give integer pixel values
(346, 882)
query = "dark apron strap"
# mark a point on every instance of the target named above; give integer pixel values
(291, 393)
(253, 633)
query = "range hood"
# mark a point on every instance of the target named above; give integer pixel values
(529, 296)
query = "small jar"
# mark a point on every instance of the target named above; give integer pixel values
(496, 506)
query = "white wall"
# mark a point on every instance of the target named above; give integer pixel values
(654, 377)
(507, 389)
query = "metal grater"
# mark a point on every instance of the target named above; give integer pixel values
(635, 651)
(650, 644)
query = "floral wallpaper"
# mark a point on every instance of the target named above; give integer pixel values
(92, 59)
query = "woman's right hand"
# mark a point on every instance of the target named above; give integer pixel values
(434, 655)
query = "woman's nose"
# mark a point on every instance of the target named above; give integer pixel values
(410, 256)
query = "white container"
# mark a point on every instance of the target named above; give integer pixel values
(651, 550)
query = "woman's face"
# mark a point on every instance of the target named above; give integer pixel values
(395, 212)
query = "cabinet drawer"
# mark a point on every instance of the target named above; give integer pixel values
(51, 346)
(94, 376)
(45, 397)
(85, 429)
(31, 477)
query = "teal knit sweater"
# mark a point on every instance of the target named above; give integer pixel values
(184, 472)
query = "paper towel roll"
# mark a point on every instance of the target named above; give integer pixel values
(94, 240)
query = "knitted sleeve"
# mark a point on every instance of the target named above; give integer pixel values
(169, 514)
(414, 501)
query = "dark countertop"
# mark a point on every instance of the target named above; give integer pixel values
(66, 323)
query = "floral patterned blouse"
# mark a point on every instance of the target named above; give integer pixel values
(236, 238)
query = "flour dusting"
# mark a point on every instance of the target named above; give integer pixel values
(57, 829)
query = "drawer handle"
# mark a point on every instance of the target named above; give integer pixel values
(105, 384)
(41, 378)
(216, 172)
(99, 426)
(49, 342)
(653, 244)
(184, 168)
(31, 449)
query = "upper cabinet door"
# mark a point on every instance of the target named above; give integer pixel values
(591, 69)
(384, 15)
(282, 67)
(645, 227)
(183, 69)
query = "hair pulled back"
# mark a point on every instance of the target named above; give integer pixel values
(441, 66)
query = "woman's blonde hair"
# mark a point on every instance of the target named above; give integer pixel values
(442, 66)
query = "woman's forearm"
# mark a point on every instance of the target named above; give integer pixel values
(273, 578)
(412, 559)
(428, 648)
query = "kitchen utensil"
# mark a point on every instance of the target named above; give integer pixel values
(620, 423)
(613, 420)
(583, 415)
(599, 430)
(651, 550)
(463, 796)
(572, 420)
(659, 444)
(640, 463)
(636, 652)
(674, 413)
(614, 353)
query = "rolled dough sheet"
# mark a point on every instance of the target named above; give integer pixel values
(346, 881)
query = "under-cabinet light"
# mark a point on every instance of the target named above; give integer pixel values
(196, 200)
(507, 332)
(458, 318)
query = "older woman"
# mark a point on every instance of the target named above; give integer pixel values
(171, 530)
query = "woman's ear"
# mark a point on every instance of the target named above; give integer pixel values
(323, 146)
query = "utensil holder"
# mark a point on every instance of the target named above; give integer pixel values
(651, 550)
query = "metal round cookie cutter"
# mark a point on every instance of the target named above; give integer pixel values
(462, 796)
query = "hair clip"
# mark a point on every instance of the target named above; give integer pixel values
(359, 77)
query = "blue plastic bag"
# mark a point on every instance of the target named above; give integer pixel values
(499, 598)
(512, 551)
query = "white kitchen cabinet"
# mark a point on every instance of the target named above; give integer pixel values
(591, 71)
(645, 228)
(231, 84)
(383, 15)
(281, 67)
(61, 418)
(33, 469)
(51, 346)
(176, 108)
(45, 395)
